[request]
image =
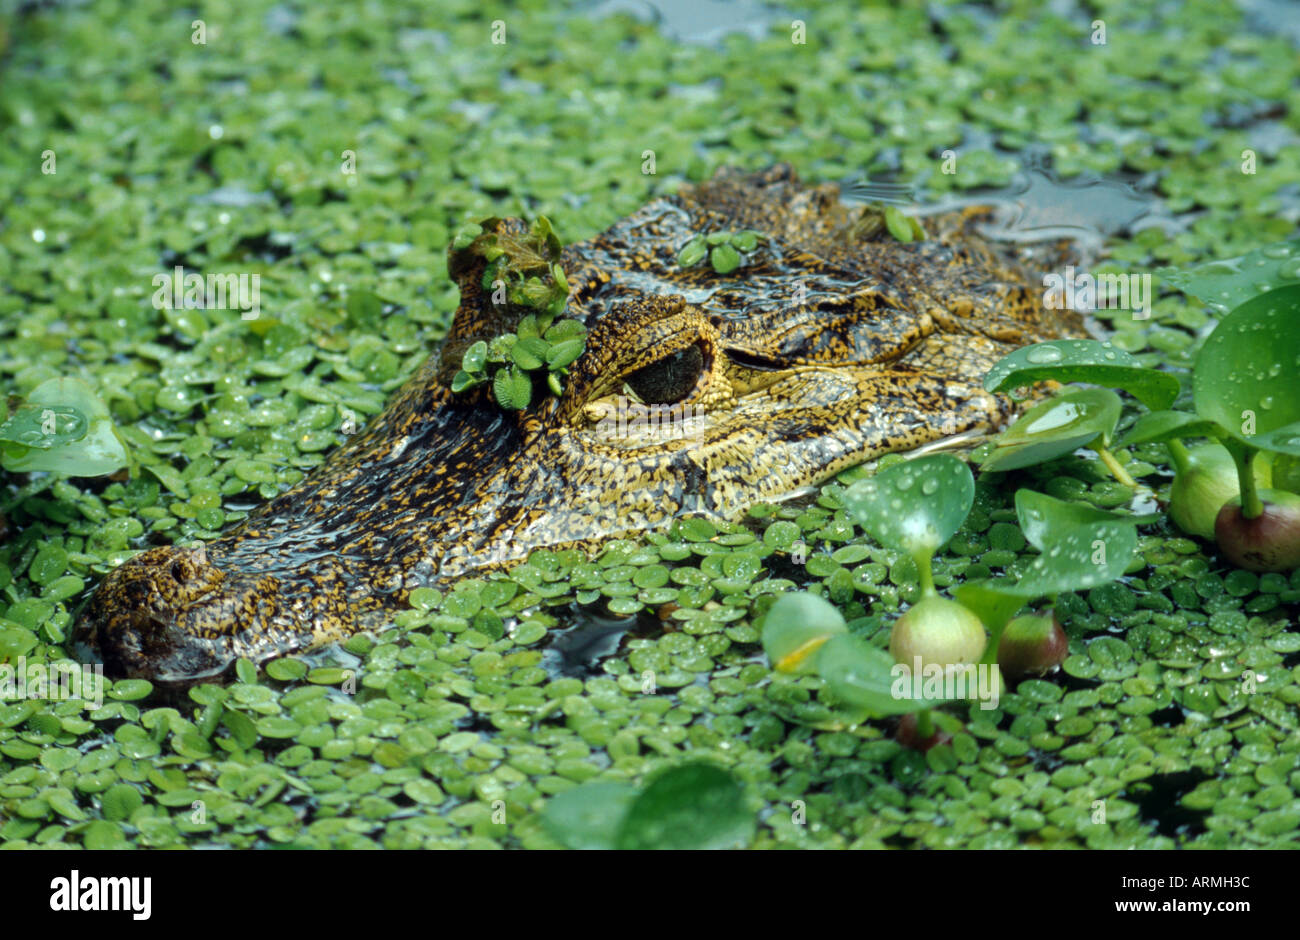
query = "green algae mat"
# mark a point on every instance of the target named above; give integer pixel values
(624, 700)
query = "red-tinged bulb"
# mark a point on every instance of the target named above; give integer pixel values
(1268, 542)
(1032, 645)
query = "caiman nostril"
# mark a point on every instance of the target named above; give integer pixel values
(177, 573)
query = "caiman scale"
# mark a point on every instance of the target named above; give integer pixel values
(833, 343)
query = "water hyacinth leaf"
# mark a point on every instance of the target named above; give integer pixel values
(1244, 378)
(1082, 557)
(1283, 440)
(1286, 473)
(1031, 453)
(1160, 426)
(96, 453)
(44, 426)
(865, 676)
(1083, 360)
(795, 628)
(1231, 282)
(589, 816)
(1056, 427)
(690, 807)
(1044, 519)
(915, 506)
(994, 600)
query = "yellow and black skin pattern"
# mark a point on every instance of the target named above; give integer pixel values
(831, 344)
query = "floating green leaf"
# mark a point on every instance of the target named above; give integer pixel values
(513, 389)
(527, 328)
(15, 641)
(565, 352)
(866, 676)
(475, 357)
(1245, 374)
(724, 259)
(690, 807)
(44, 426)
(1044, 519)
(1056, 427)
(465, 235)
(994, 600)
(1167, 426)
(120, 801)
(914, 506)
(463, 380)
(695, 251)
(795, 628)
(1083, 360)
(95, 453)
(589, 816)
(1231, 282)
(1080, 547)
(500, 346)
(365, 310)
(530, 352)
(565, 330)
(898, 224)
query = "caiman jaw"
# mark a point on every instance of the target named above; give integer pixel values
(184, 619)
(698, 393)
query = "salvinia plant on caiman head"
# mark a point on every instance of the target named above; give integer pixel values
(831, 342)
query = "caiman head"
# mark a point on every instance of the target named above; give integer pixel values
(698, 393)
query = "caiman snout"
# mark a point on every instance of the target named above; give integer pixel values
(155, 616)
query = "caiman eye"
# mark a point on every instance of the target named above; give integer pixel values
(669, 379)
